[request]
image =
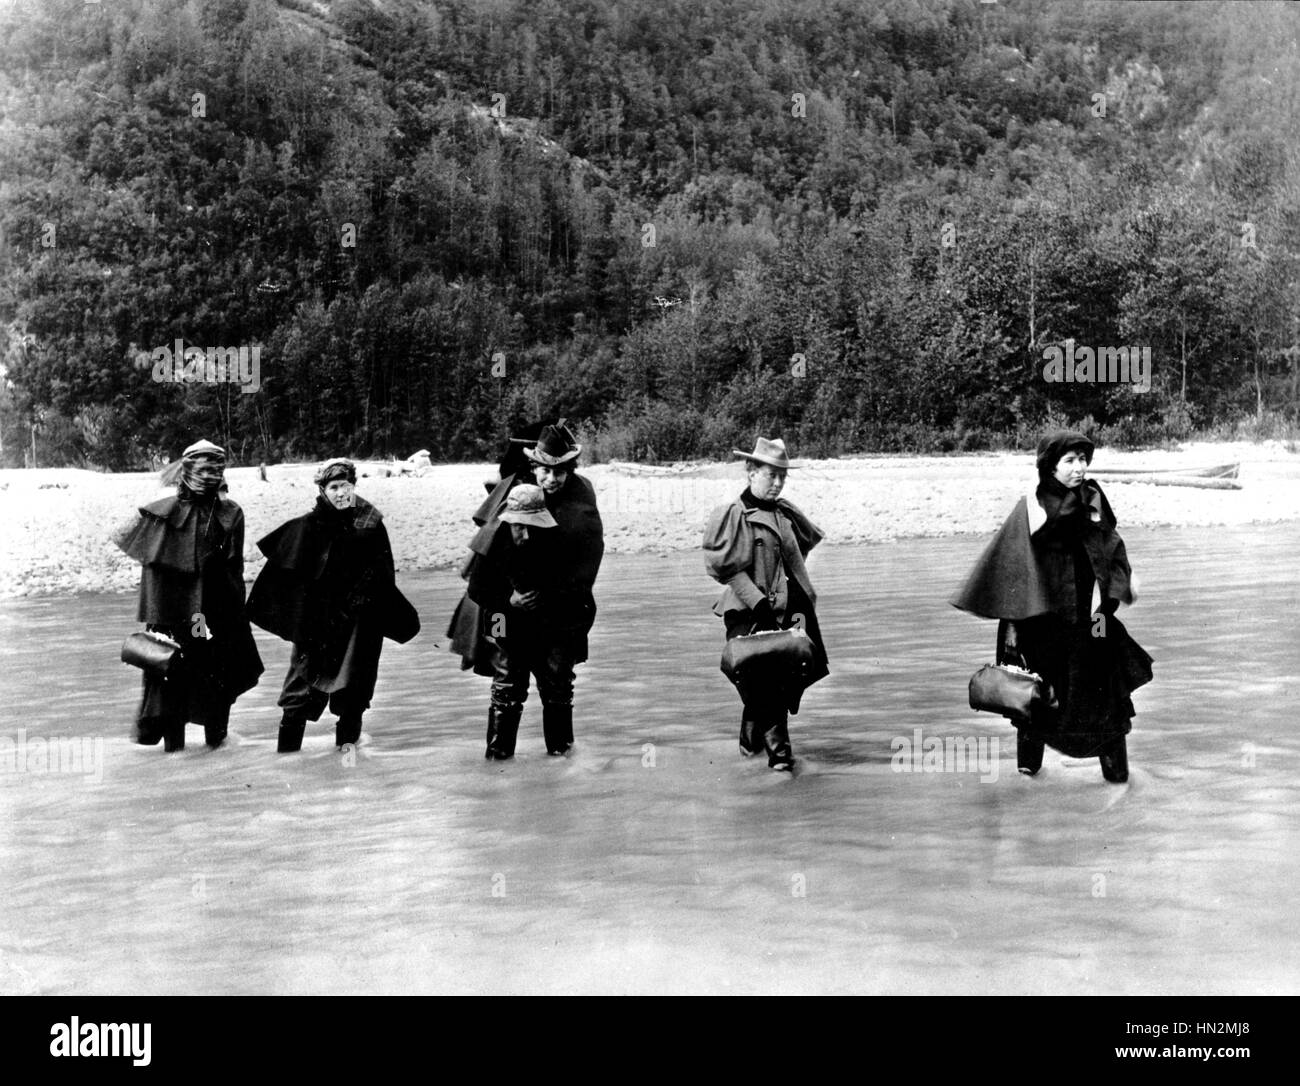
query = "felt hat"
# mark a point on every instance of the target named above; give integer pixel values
(767, 452)
(555, 446)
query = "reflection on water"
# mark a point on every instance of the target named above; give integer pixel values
(656, 858)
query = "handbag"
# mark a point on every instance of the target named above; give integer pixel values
(153, 652)
(1011, 691)
(754, 662)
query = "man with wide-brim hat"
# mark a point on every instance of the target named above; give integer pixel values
(554, 447)
(771, 452)
(756, 546)
(556, 635)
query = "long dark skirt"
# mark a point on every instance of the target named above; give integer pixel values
(195, 691)
(1093, 669)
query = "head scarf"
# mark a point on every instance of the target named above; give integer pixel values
(338, 468)
(191, 484)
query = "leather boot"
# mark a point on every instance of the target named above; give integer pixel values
(557, 728)
(502, 731)
(291, 730)
(751, 740)
(347, 730)
(148, 733)
(776, 738)
(1114, 760)
(1029, 753)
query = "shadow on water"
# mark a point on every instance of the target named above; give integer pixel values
(654, 857)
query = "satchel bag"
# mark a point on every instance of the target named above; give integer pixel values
(755, 662)
(1011, 691)
(153, 652)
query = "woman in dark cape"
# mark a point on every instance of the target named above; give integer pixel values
(191, 550)
(328, 587)
(1054, 576)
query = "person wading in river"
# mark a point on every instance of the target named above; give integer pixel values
(328, 587)
(1054, 576)
(559, 642)
(191, 551)
(756, 546)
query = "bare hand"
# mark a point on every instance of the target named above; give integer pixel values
(525, 601)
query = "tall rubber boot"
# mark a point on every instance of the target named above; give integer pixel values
(214, 734)
(291, 731)
(776, 738)
(557, 728)
(1029, 753)
(174, 737)
(347, 730)
(751, 735)
(502, 730)
(1114, 760)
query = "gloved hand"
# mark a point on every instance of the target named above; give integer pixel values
(1010, 643)
(764, 616)
(1109, 606)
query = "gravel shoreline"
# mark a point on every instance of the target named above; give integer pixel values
(56, 540)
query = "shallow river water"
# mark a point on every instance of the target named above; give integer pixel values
(655, 858)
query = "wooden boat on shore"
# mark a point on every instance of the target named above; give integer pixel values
(1212, 477)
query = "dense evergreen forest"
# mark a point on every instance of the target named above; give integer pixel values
(860, 224)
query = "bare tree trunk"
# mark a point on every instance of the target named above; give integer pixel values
(1259, 391)
(1033, 290)
(1184, 359)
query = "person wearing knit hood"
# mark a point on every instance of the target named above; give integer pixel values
(1054, 577)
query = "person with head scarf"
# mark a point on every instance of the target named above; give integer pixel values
(191, 550)
(567, 602)
(329, 588)
(1054, 577)
(756, 546)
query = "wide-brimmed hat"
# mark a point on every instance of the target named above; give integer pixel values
(555, 446)
(767, 452)
(526, 504)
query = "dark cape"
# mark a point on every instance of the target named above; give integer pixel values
(191, 554)
(1058, 570)
(579, 546)
(328, 573)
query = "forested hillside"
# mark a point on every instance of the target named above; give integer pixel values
(857, 224)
